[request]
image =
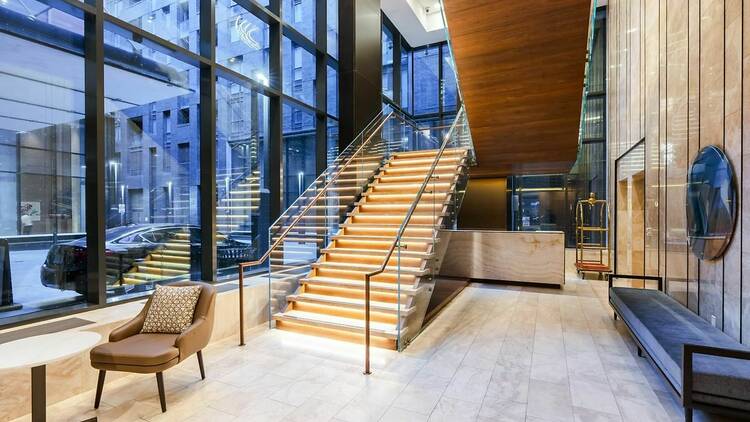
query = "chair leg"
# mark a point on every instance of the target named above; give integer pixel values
(688, 414)
(99, 388)
(160, 384)
(200, 364)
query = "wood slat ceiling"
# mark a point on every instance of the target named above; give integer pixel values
(520, 66)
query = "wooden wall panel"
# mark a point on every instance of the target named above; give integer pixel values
(680, 69)
(522, 71)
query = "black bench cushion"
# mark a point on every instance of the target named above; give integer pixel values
(663, 325)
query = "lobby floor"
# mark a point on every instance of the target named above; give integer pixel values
(496, 353)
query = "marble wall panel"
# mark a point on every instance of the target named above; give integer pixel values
(733, 146)
(693, 141)
(744, 234)
(675, 153)
(677, 69)
(651, 122)
(712, 133)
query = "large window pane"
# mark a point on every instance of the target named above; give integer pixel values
(241, 41)
(387, 57)
(152, 173)
(406, 67)
(333, 27)
(174, 20)
(449, 90)
(426, 80)
(298, 150)
(300, 14)
(332, 141)
(242, 214)
(299, 72)
(332, 94)
(42, 211)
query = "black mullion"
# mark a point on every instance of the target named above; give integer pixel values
(96, 277)
(272, 172)
(208, 141)
(396, 67)
(321, 85)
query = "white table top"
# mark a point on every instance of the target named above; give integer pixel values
(42, 350)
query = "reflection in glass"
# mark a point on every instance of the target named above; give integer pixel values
(332, 141)
(299, 72)
(42, 166)
(333, 28)
(298, 151)
(242, 213)
(174, 20)
(300, 14)
(449, 89)
(152, 172)
(711, 203)
(406, 67)
(241, 41)
(387, 58)
(426, 87)
(332, 96)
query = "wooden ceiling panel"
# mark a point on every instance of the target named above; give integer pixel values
(521, 67)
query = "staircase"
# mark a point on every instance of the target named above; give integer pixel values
(329, 300)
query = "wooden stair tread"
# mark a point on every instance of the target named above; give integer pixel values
(337, 322)
(349, 302)
(366, 268)
(359, 284)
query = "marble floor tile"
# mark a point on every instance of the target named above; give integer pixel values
(496, 353)
(549, 401)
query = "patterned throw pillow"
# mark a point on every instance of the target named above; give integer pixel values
(171, 310)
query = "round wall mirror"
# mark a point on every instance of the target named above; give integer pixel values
(711, 203)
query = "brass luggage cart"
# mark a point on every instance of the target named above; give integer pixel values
(593, 253)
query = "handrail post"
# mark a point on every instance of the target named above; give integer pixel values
(367, 324)
(242, 305)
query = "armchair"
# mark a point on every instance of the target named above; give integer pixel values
(129, 350)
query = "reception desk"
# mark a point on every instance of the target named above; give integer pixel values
(526, 257)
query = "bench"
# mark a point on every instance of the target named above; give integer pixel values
(706, 368)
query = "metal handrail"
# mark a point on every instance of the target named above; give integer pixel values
(278, 241)
(399, 234)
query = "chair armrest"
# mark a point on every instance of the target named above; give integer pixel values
(130, 328)
(689, 350)
(194, 338)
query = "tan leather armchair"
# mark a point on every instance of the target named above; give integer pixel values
(130, 351)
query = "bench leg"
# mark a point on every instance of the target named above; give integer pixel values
(688, 414)
(200, 364)
(99, 388)
(615, 314)
(160, 385)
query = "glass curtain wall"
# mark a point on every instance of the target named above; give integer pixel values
(419, 81)
(166, 150)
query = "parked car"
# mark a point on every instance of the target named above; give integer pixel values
(128, 246)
